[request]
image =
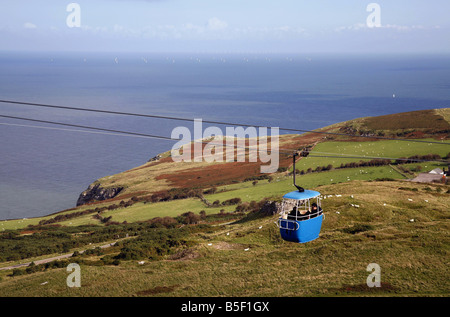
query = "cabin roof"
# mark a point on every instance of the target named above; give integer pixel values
(307, 194)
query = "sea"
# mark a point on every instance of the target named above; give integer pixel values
(44, 167)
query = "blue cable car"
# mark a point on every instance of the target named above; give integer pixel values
(301, 214)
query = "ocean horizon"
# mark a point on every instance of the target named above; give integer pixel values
(43, 171)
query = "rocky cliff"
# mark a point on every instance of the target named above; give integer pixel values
(97, 193)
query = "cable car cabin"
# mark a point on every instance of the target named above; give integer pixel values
(301, 216)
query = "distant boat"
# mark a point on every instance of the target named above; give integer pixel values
(116, 60)
(393, 95)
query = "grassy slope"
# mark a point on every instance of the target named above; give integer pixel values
(165, 174)
(413, 256)
(246, 191)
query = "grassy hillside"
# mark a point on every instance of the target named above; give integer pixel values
(403, 228)
(282, 183)
(414, 124)
(163, 175)
(181, 219)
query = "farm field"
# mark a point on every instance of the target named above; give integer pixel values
(380, 148)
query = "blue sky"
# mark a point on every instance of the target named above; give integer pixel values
(259, 26)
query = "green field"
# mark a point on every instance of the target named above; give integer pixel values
(382, 148)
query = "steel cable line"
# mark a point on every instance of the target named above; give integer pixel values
(144, 135)
(71, 130)
(136, 134)
(206, 121)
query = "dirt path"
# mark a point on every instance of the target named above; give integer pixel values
(59, 257)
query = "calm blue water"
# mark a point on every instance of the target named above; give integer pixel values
(43, 171)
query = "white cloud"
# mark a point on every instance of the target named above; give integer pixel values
(192, 27)
(95, 30)
(29, 25)
(215, 24)
(400, 28)
(118, 28)
(285, 28)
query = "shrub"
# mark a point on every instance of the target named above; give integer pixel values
(232, 201)
(189, 218)
(212, 190)
(17, 272)
(166, 222)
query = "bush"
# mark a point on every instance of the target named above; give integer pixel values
(259, 177)
(189, 218)
(17, 272)
(407, 188)
(230, 202)
(156, 243)
(96, 251)
(166, 222)
(106, 219)
(212, 190)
